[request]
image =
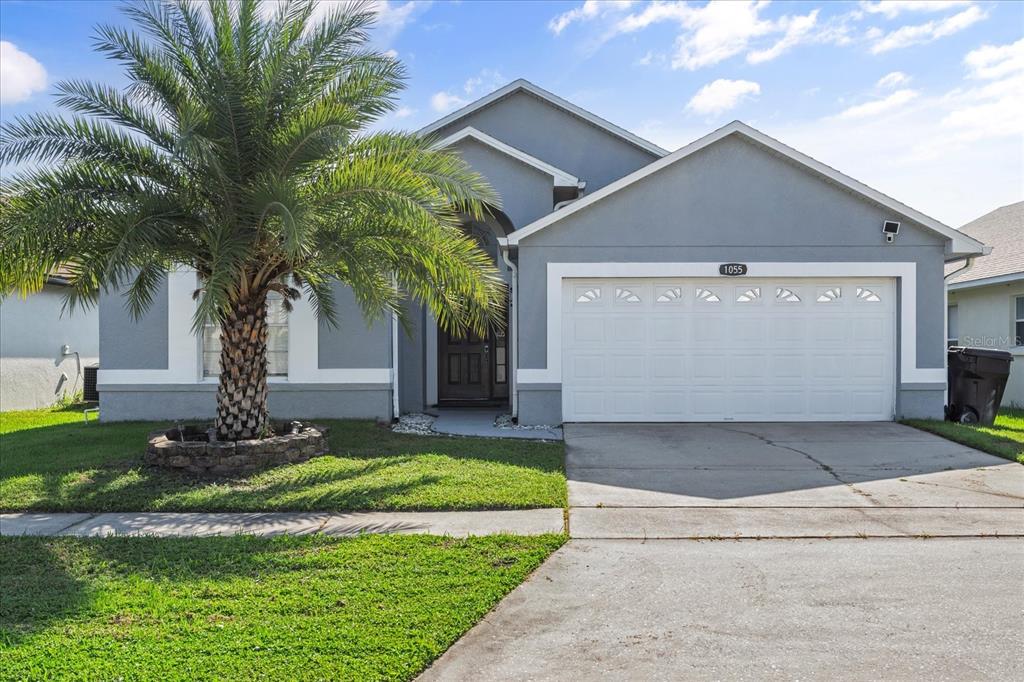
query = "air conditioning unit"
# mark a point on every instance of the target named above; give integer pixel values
(90, 394)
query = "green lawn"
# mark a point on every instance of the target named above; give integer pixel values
(51, 461)
(286, 608)
(1004, 438)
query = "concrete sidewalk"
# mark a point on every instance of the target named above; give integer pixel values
(167, 524)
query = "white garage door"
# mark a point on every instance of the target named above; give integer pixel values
(728, 349)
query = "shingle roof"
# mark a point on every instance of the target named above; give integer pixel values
(1003, 230)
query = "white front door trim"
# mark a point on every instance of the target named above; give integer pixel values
(904, 273)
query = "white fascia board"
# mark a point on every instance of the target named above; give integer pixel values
(960, 244)
(555, 100)
(561, 178)
(986, 281)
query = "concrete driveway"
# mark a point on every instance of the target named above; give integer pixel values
(784, 480)
(882, 552)
(894, 609)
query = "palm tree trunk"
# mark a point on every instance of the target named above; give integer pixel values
(242, 391)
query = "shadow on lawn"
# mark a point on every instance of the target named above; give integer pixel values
(46, 580)
(99, 467)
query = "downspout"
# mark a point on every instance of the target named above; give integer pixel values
(968, 262)
(394, 363)
(513, 329)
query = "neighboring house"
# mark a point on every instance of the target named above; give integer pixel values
(986, 299)
(612, 249)
(35, 370)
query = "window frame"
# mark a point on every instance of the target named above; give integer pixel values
(273, 298)
(1017, 328)
(952, 312)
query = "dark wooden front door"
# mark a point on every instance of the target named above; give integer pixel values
(464, 366)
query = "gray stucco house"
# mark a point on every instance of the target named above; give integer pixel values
(614, 252)
(986, 298)
(44, 347)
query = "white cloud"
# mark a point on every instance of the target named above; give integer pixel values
(404, 112)
(925, 33)
(392, 16)
(443, 102)
(879, 106)
(996, 61)
(21, 76)
(474, 86)
(892, 80)
(797, 29)
(893, 8)
(710, 33)
(722, 95)
(591, 9)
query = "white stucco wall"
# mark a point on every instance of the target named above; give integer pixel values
(33, 373)
(985, 320)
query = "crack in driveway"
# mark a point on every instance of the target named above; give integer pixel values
(824, 467)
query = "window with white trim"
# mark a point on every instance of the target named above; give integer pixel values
(952, 326)
(277, 341)
(1018, 321)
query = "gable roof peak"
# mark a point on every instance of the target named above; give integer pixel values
(523, 85)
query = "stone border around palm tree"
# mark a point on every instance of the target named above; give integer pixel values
(193, 450)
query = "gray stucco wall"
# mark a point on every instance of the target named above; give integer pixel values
(526, 193)
(986, 318)
(33, 371)
(126, 343)
(353, 343)
(733, 201)
(557, 137)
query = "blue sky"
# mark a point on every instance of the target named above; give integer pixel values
(921, 100)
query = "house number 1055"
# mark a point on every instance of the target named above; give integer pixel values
(732, 269)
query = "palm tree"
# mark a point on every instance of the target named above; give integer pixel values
(240, 148)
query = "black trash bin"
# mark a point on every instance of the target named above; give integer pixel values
(977, 377)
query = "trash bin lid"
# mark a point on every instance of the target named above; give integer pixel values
(983, 352)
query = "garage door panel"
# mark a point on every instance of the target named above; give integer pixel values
(744, 367)
(588, 331)
(629, 367)
(703, 350)
(588, 366)
(709, 404)
(671, 405)
(668, 367)
(785, 367)
(710, 366)
(827, 366)
(669, 330)
(627, 329)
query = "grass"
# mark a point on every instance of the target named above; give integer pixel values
(1004, 438)
(50, 460)
(290, 608)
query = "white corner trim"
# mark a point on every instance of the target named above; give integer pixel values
(551, 98)
(960, 242)
(184, 351)
(906, 273)
(560, 177)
